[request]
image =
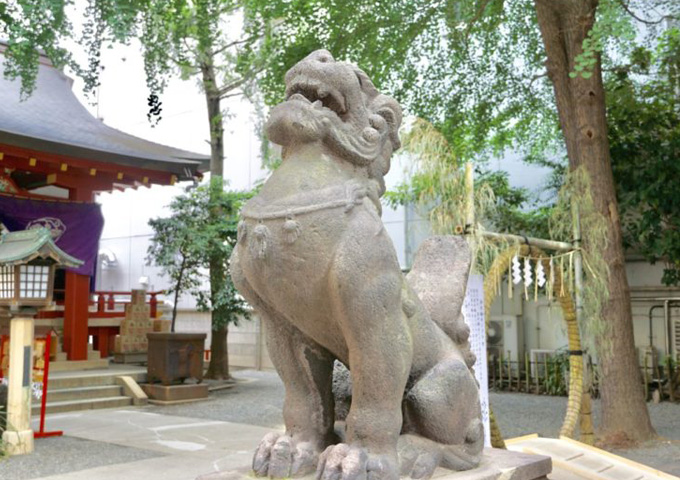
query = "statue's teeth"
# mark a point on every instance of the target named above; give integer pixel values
(317, 104)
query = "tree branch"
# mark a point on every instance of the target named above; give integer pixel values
(236, 42)
(626, 7)
(536, 77)
(224, 91)
(475, 19)
(235, 94)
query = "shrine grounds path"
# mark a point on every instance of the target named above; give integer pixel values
(257, 399)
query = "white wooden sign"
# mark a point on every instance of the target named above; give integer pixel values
(473, 312)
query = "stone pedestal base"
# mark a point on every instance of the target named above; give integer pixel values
(164, 394)
(18, 443)
(132, 357)
(496, 464)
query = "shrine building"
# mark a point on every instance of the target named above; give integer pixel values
(50, 140)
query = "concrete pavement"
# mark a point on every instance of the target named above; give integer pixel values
(188, 447)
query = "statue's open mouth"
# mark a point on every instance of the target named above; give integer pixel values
(319, 95)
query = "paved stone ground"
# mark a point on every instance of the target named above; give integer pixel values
(257, 399)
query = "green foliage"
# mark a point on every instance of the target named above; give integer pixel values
(466, 67)
(644, 131)
(576, 198)
(557, 367)
(185, 243)
(613, 26)
(437, 185)
(29, 25)
(178, 38)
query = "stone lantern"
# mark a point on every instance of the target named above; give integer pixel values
(28, 260)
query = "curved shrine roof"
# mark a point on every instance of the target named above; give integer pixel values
(52, 120)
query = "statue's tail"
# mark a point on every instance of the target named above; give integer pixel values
(439, 277)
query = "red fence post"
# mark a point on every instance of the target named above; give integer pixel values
(101, 305)
(43, 401)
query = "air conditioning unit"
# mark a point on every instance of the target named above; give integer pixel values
(506, 337)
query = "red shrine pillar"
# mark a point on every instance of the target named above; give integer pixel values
(77, 300)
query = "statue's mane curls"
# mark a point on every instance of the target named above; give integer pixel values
(383, 105)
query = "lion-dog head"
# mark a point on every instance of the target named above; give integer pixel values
(335, 103)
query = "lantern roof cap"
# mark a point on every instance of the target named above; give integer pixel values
(22, 246)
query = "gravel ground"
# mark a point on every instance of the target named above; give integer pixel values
(257, 398)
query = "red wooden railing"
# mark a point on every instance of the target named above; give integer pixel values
(109, 304)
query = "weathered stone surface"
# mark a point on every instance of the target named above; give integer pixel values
(175, 357)
(133, 329)
(315, 261)
(175, 393)
(495, 464)
(130, 358)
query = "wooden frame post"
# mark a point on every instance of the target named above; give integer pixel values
(18, 436)
(77, 301)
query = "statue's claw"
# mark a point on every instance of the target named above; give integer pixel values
(415, 461)
(422, 467)
(279, 456)
(345, 462)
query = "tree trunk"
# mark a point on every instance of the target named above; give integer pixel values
(178, 289)
(219, 361)
(219, 355)
(581, 108)
(212, 97)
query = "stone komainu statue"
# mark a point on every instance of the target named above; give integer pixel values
(313, 258)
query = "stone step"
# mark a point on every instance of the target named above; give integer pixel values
(87, 404)
(79, 365)
(84, 393)
(93, 378)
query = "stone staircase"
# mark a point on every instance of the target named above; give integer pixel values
(88, 389)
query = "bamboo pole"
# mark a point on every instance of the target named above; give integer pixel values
(469, 197)
(526, 373)
(536, 377)
(536, 242)
(575, 352)
(586, 420)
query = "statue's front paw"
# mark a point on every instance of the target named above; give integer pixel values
(416, 462)
(345, 462)
(279, 456)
